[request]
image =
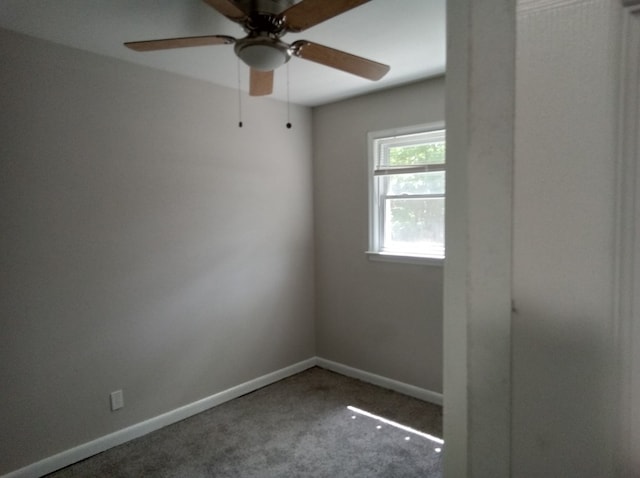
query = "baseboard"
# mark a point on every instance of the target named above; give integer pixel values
(384, 382)
(81, 452)
(101, 444)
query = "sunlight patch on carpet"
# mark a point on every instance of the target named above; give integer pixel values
(400, 426)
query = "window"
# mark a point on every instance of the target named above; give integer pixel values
(407, 191)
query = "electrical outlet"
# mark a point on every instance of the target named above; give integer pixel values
(117, 400)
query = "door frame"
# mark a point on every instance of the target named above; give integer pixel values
(627, 256)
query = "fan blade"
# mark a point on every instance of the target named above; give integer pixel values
(229, 9)
(311, 12)
(260, 82)
(340, 60)
(168, 43)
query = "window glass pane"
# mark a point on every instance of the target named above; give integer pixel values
(427, 153)
(416, 183)
(406, 165)
(414, 226)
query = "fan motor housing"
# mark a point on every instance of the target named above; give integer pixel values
(264, 24)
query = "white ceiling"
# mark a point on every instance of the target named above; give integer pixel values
(408, 35)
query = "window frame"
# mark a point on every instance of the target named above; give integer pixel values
(376, 231)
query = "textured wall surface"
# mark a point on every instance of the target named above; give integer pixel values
(148, 244)
(563, 389)
(385, 318)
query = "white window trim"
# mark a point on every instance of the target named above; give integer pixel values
(404, 258)
(374, 253)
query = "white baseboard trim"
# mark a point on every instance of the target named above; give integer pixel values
(81, 452)
(384, 382)
(101, 444)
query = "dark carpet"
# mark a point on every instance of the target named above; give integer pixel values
(298, 427)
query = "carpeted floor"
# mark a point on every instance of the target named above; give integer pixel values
(298, 427)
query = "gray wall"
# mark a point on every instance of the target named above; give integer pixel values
(148, 244)
(564, 204)
(384, 318)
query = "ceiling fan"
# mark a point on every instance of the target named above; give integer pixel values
(265, 22)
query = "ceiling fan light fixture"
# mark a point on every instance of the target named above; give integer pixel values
(263, 54)
(265, 22)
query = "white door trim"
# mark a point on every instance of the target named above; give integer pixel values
(627, 300)
(480, 105)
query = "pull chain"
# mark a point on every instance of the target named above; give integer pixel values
(288, 101)
(239, 97)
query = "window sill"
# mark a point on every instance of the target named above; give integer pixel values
(404, 258)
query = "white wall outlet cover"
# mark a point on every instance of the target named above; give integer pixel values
(117, 400)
